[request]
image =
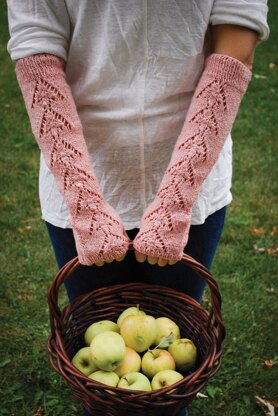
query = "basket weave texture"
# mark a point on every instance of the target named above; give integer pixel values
(204, 328)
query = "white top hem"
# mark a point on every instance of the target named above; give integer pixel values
(62, 223)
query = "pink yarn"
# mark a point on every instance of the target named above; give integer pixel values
(98, 230)
(165, 224)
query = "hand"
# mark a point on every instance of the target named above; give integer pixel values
(140, 257)
(101, 263)
(99, 235)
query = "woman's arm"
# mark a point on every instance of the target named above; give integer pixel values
(98, 230)
(235, 41)
(166, 222)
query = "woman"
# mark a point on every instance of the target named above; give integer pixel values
(132, 104)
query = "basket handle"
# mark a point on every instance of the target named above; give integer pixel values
(202, 271)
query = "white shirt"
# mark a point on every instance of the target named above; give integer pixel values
(132, 66)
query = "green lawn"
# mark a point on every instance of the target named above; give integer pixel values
(246, 264)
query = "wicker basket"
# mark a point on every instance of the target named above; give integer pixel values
(205, 328)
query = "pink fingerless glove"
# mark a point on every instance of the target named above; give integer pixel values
(166, 222)
(98, 231)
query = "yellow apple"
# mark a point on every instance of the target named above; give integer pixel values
(165, 378)
(98, 327)
(132, 310)
(157, 360)
(107, 350)
(83, 361)
(165, 327)
(138, 332)
(184, 353)
(131, 363)
(105, 377)
(135, 381)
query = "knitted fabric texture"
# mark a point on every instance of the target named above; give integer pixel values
(98, 231)
(165, 224)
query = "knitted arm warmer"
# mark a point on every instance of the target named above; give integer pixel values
(98, 231)
(165, 224)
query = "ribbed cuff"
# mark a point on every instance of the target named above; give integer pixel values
(228, 69)
(38, 66)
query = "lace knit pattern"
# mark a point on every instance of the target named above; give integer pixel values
(165, 225)
(98, 231)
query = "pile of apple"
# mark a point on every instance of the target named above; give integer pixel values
(139, 352)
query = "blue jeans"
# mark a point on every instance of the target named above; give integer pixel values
(202, 243)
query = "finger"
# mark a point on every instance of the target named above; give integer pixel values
(108, 261)
(140, 256)
(171, 262)
(162, 262)
(152, 260)
(121, 258)
(99, 263)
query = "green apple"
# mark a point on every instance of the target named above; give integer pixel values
(130, 364)
(105, 377)
(184, 353)
(165, 378)
(135, 381)
(157, 360)
(107, 350)
(84, 362)
(165, 327)
(138, 331)
(132, 310)
(98, 328)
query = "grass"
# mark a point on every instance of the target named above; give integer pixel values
(245, 267)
